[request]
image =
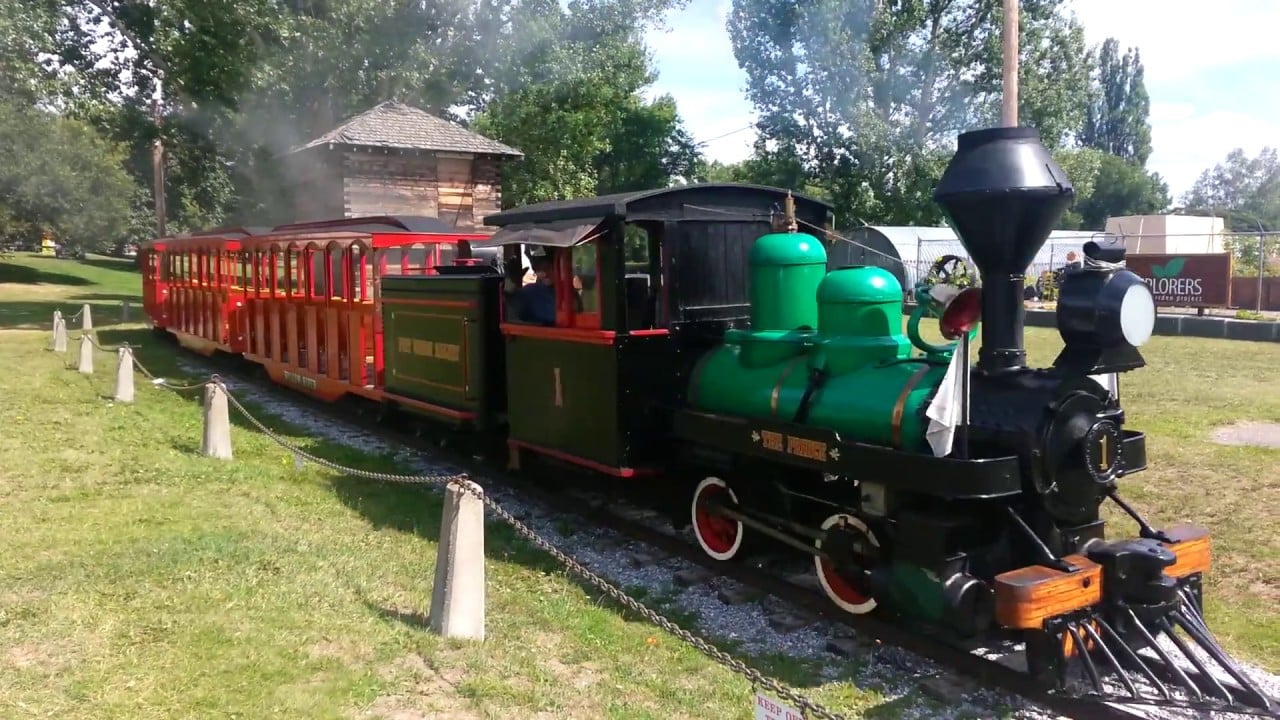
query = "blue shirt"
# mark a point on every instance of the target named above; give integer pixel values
(537, 303)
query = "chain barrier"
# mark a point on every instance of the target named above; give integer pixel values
(110, 350)
(155, 380)
(161, 382)
(809, 708)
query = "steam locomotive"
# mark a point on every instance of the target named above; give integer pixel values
(702, 342)
(965, 498)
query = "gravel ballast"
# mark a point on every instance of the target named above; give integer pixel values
(921, 688)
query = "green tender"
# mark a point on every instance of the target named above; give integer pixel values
(434, 341)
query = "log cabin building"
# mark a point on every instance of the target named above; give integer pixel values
(395, 159)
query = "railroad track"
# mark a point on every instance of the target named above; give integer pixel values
(620, 513)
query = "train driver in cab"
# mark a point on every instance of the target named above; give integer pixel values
(535, 302)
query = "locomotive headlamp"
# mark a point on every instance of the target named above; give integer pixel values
(1105, 313)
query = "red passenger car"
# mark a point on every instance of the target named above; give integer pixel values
(192, 289)
(312, 310)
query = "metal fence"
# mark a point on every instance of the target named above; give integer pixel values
(1255, 285)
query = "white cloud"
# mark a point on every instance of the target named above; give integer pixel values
(696, 66)
(1180, 37)
(1180, 40)
(1187, 140)
(1188, 50)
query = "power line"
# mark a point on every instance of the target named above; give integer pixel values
(721, 137)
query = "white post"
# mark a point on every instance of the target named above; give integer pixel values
(124, 375)
(86, 317)
(457, 600)
(217, 423)
(59, 333)
(124, 311)
(86, 355)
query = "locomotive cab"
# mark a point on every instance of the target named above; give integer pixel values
(634, 303)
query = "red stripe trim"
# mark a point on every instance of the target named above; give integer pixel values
(429, 303)
(624, 472)
(430, 407)
(578, 335)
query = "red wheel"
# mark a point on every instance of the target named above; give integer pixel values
(719, 536)
(849, 595)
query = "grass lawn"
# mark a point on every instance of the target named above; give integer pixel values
(140, 580)
(144, 581)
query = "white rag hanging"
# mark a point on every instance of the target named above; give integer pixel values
(944, 412)
(1110, 381)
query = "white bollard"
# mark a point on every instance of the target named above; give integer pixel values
(124, 311)
(86, 355)
(124, 375)
(217, 423)
(86, 317)
(457, 600)
(59, 334)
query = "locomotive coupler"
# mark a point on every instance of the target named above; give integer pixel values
(1133, 574)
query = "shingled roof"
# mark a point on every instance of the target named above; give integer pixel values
(396, 125)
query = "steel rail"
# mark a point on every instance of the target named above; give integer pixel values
(983, 670)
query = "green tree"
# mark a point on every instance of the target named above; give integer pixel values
(58, 175)
(570, 97)
(26, 32)
(1246, 192)
(1082, 166)
(243, 80)
(866, 96)
(1107, 186)
(1116, 118)
(647, 148)
(1244, 189)
(1122, 188)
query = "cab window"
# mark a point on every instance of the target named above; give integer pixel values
(580, 279)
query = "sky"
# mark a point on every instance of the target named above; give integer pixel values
(1212, 72)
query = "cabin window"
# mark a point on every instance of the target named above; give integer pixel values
(359, 273)
(447, 253)
(389, 261)
(334, 279)
(579, 282)
(418, 259)
(281, 286)
(319, 283)
(585, 278)
(643, 284)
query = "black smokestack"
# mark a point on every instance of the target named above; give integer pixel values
(1002, 194)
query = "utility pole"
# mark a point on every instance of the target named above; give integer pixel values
(1009, 114)
(157, 167)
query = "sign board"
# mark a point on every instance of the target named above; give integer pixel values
(1193, 280)
(769, 709)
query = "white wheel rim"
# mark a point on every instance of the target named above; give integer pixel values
(716, 552)
(858, 608)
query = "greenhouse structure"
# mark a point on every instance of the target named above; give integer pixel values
(908, 251)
